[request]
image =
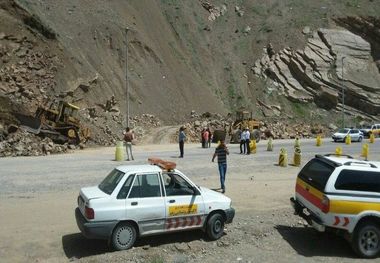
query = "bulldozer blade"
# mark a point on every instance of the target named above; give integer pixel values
(29, 123)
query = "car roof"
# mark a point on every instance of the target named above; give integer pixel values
(139, 168)
(348, 160)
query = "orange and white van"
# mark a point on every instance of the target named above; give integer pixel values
(342, 194)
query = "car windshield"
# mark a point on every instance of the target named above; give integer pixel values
(343, 131)
(111, 181)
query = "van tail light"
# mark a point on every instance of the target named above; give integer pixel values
(325, 204)
(89, 212)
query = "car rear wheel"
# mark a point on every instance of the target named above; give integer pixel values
(360, 138)
(366, 240)
(215, 226)
(124, 236)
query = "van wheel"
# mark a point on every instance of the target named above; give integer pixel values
(215, 226)
(124, 236)
(366, 240)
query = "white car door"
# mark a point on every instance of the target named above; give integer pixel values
(146, 204)
(354, 135)
(185, 207)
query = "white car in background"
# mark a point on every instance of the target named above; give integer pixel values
(141, 200)
(355, 134)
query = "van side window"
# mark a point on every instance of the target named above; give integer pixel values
(358, 181)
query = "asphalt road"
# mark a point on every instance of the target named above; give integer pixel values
(88, 167)
(38, 197)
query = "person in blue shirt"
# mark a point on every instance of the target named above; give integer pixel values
(181, 140)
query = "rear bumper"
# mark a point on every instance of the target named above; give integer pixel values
(230, 214)
(310, 218)
(94, 230)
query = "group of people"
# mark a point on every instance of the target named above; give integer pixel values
(245, 139)
(206, 138)
(220, 153)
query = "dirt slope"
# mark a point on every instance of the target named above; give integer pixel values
(180, 58)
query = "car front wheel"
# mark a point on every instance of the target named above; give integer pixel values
(215, 226)
(366, 241)
(360, 139)
(124, 236)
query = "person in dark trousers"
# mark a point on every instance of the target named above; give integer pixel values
(221, 152)
(128, 138)
(209, 137)
(181, 140)
(242, 141)
(248, 140)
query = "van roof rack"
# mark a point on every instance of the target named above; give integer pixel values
(164, 165)
(370, 164)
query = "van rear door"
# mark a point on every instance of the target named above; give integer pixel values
(311, 183)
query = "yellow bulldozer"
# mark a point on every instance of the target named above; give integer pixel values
(242, 121)
(58, 121)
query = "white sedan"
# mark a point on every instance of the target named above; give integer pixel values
(141, 200)
(355, 134)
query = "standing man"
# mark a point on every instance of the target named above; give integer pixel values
(221, 152)
(242, 140)
(247, 140)
(205, 138)
(128, 138)
(181, 140)
(209, 137)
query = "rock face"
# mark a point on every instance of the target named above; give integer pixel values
(333, 59)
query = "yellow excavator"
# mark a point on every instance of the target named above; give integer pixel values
(58, 121)
(242, 121)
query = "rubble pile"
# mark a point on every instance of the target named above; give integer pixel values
(23, 143)
(27, 74)
(206, 120)
(284, 130)
(278, 129)
(142, 123)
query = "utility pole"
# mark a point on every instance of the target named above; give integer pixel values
(126, 73)
(343, 92)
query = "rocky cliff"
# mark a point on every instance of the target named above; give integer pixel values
(336, 68)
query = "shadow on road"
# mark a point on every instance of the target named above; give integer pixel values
(77, 246)
(309, 243)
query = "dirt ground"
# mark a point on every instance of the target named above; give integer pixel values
(38, 198)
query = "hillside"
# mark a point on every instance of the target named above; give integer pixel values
(182, 56)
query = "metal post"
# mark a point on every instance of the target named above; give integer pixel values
(343, 93)
(126, 73)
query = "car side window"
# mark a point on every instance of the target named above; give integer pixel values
(145, 185)
(176, 185)
(125, 188)
(365, 181)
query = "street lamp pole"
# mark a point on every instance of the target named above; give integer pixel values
(343, 92)
(126, 73)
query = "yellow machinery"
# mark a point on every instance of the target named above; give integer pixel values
(59, 121)
(242, 121)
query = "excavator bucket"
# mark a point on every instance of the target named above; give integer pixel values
(29, 123)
